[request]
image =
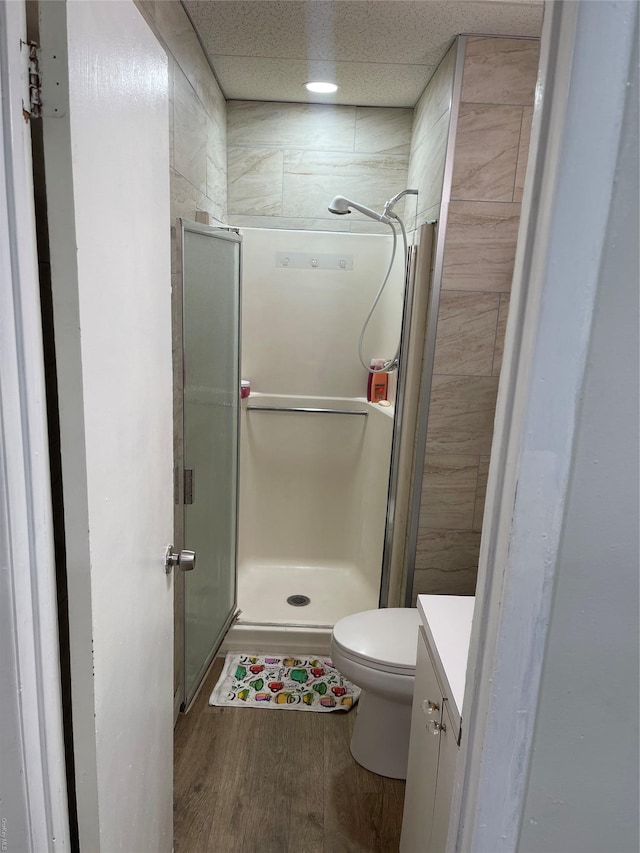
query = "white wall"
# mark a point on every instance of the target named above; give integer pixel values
(313, 488)
(300, 479)
(300, 327)
(582, 793)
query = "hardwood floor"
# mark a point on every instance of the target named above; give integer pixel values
(260, 780)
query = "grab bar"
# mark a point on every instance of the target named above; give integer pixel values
(307, 410)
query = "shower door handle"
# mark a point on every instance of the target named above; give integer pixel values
(188, 486)
(185, 560)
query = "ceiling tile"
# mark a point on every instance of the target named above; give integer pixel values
(354, 35)
(363, 84)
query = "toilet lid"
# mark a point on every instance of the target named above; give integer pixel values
(387, 638)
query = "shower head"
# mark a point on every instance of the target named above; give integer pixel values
(341, 205)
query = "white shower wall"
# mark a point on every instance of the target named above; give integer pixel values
(313, 487)
(300, 327)
(313, 495)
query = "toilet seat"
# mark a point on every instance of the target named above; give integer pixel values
(385, 639)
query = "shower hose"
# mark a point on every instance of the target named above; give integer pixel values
(392, 363)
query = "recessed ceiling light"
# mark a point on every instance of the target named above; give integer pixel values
(321, 88)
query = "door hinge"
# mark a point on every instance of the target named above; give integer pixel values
(35, 81)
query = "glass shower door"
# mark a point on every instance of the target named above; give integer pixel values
(210, 261)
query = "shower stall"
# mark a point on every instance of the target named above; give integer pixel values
(314, 454)
(284, 494)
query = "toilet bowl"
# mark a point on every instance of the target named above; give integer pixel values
(376, 650)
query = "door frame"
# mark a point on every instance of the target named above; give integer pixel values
(34, 813)
(538, 412)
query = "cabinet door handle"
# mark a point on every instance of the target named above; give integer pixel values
(430, 707)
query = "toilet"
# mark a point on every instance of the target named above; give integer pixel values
(376, 650)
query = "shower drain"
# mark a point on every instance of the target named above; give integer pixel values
(298, 600)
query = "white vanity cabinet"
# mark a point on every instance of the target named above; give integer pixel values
(444, 788)
(432, 755)
(443, 644)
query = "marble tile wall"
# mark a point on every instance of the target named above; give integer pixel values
(197, 116)
(491, 148)
(287, 161)
(429, 140)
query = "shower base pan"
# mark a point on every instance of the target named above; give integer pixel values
(274, 612)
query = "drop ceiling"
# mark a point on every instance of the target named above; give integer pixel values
(380, 52)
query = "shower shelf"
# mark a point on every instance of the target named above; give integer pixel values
(307, 410)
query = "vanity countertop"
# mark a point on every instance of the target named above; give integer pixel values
(447, 623)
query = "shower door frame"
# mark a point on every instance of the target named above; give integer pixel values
(426, 379)
(418, 275)
(398, 421)
(182, 702)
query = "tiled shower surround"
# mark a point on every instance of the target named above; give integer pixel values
(491, 147)
(431, 118)
(287, 161)
(197, 116)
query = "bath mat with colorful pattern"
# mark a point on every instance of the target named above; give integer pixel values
(283, 681)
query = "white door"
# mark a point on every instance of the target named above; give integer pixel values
(106, 151)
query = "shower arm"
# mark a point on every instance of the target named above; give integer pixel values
(389, 205)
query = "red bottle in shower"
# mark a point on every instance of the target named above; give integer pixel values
(377, 382)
